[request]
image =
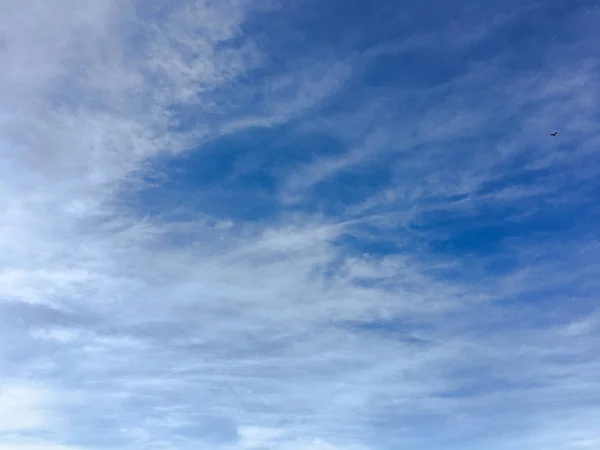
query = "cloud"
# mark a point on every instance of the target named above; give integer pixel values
(252, 437)
(22, 407)
(426, 277)
(32, 446)
(295, 94)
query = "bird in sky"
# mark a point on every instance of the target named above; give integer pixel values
(553, 134)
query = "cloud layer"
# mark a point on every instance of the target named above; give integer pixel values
(298, 226)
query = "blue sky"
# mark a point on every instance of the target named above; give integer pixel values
(299, 225)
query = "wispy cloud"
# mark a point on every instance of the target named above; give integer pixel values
(425, 274)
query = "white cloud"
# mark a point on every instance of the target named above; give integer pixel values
(62, 335)
(294, 94)
(253, 437)
(277, 324)
(33, 446)
(24, 407)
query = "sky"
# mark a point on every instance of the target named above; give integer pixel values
(299, 225)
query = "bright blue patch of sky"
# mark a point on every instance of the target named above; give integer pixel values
(241, 176)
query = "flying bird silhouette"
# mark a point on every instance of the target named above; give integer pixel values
(553, 134)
